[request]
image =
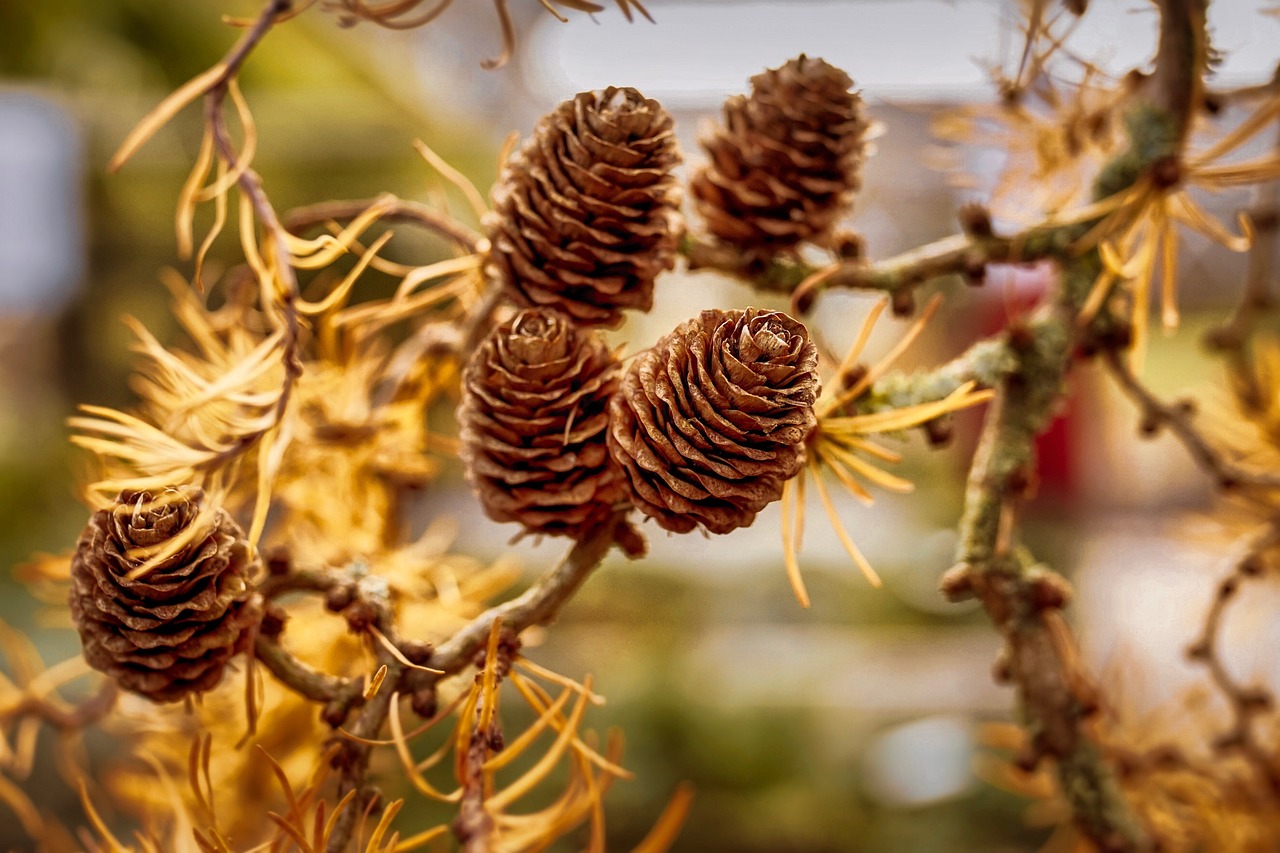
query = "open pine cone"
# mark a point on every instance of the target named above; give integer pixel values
(533, 419)
(588, 214)
(784, 167)
(170, 632)
(711, 421)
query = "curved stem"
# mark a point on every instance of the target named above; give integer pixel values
(302, 218)
(301, 678)
(1177, 417)
(537, 605)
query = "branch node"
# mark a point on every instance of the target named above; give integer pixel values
(340, 597)
(277, 559)
(274, 618)
(957, 583)
(940, 431)
(975, 220)
(903, 303)
(1253, 565)
(1254, 700)
(1002, 668)
(1049, 590)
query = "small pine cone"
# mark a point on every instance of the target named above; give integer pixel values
(533, 419)
(170, 632)
(588, 214)
(711, 421)
(784, 167)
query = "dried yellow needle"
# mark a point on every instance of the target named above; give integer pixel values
(163, 112)
(789, 552)
(669, 823)
(374, 683)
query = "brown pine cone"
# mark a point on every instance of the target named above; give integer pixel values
(170, 632)
(588, 214)
(711, 421)
(533, 420)
(784, 167)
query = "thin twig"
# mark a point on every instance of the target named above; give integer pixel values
(536, 606)
(1246, 703)
(303, 679)
(473, 826)
(1177, 417)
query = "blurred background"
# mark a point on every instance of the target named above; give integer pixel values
(855, 725)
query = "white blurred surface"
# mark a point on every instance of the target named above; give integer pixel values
(41, 231)
(896, 50)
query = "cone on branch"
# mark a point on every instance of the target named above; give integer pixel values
(587, 214)
(533, 420)
(785, 165)
(711, 422)
(170, 632)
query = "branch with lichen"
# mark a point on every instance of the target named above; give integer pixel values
(966, 254)
(1022, 599)
(1028, 366)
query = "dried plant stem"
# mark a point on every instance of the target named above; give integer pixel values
(251, 185)
(303, 679)
(473, 826)
(397, 210)
(338, 694)
(535, 606)
(1177, 417)
(353, 759)
(1246, 703)
(271, 12)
